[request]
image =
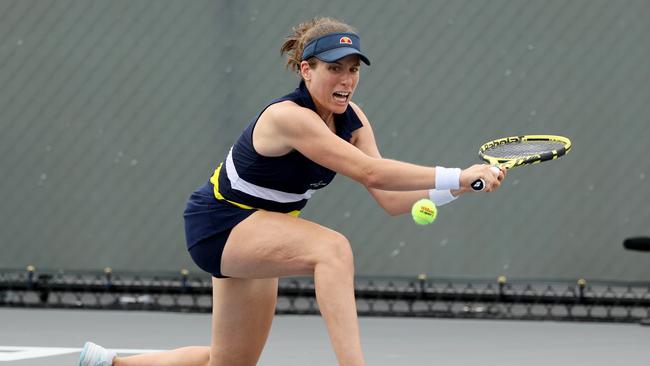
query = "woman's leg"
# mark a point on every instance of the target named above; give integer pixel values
(186, 356)
(269, 244)
(242, 314)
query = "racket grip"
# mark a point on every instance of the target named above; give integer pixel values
(479, 184)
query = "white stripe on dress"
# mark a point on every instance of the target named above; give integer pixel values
(236, 182)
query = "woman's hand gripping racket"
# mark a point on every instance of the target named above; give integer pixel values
(511, 152)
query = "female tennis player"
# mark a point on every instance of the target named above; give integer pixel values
(243, 225)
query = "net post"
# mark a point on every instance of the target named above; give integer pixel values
(184, 278)
(501, 282)
(30, 275)
(422, 280)
(108, 276)
(582, 283)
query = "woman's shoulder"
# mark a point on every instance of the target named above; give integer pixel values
(283, 105)
(286, 110)
(359, 112)
(287, 116)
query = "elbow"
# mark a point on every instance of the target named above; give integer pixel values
(392, 212)
(371, 181)
(393, 209)
(388, 206)
(371, 178)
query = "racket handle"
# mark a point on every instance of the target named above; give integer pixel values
(479, 184)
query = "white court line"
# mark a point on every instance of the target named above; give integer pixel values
(14, 353)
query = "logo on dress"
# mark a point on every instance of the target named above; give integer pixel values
(345, 40)
(317, 185)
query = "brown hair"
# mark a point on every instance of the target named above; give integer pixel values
(305, 32)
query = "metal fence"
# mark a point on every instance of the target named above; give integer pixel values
(580, 300)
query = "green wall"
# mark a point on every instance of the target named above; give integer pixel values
(112, 112)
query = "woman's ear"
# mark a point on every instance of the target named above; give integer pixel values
(305, 70)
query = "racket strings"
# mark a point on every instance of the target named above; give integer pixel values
(519, 150)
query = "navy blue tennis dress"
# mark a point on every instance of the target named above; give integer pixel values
(247, 181)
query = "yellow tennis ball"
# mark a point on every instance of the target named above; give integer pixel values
(424, 212)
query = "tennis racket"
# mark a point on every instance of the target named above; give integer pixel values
(514, 151)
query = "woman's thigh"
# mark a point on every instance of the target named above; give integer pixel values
(269, 244)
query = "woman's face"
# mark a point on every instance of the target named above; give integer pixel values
(331, 84)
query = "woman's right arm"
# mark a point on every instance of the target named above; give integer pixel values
(288, 126)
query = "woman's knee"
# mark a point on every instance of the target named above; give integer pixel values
(336, 250)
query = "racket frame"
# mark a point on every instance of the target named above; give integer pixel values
(505, 163)
(527, 160)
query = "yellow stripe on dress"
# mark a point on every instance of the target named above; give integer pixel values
(215, 182)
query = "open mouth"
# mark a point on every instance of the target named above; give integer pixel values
(341, 97)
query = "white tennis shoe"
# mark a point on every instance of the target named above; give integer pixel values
(94, 355)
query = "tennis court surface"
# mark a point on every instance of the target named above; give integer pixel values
(302, 340)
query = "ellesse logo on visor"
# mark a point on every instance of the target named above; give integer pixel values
(345, 40)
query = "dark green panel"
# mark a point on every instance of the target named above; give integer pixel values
(112, 112)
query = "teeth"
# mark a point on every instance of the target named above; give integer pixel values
(342, 94)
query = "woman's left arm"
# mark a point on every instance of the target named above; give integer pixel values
(393, 202)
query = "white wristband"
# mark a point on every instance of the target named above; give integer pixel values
(441, 197)
(447, 178)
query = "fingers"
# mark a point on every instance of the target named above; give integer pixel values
(493, 182)
(499, 174)
(484, 177)
(503, 173)
(495, 170)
